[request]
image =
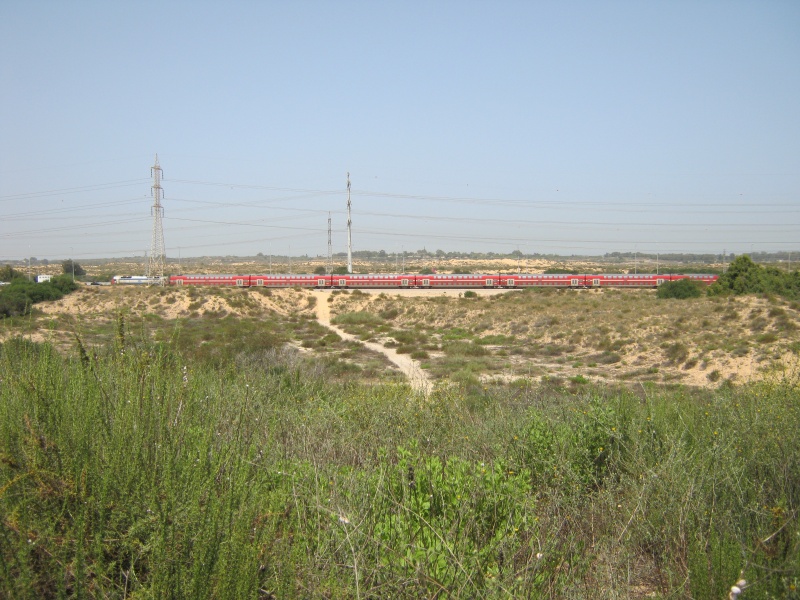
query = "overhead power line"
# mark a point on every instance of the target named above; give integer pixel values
(500, 201)
(72, 190)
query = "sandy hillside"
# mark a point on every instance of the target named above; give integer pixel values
(600, 335)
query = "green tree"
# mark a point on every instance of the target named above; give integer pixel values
(746, 277)
(7, 273)
(320, 271)
(681, 289)
(69, 264)
(17, 298)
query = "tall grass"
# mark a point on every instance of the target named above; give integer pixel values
(126, 472)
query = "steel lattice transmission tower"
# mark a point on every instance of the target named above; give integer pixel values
(349, 231)
(155, 266)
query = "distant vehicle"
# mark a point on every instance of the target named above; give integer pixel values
(135, 280)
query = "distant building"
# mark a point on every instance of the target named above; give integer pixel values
(43, 278)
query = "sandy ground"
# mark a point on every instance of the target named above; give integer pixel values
(103, 303)
(741, 369)
(416, 376)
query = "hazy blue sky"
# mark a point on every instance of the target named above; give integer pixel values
(567, 127)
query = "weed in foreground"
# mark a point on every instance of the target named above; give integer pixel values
(129, 471)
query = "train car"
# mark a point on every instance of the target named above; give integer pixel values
(284, 280)
(443, 281)
(374, 281)
(432, 281)
(136, 280)
(560, 280)
(625, 280)
(211, 280)
(642, 280)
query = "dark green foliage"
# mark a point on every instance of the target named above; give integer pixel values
(681, 289)
(17, 298)
(68, 265)
(746, 277)
(676, 353)
(13, 303)
(389, 314)
(320, 271)
(361, 317)
(8, 273)
(128, 471)
(63, 283)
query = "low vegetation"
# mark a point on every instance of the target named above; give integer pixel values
(681, 289)
(223, 443)
(603, 336)
(17, 298)
(746, 277)
(128, 471)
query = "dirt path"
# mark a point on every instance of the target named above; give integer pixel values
(416, 376)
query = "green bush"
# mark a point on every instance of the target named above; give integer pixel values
(357, 318)
(13, 304)
(681, 289)
(464, 349)
(746, 277)
(8, 273)
(17, 298)
(132, 470)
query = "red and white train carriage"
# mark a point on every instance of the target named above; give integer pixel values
(439, 280)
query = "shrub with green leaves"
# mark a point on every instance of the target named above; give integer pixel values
(129, 471)
(681, 289)
(746, 277)
(17, 298)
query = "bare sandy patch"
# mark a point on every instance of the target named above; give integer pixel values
(417, 377)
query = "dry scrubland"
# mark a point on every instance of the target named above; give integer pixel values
(573, 336)
(176, 443)
(564, 337)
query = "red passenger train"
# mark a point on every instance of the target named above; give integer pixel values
(437, 281)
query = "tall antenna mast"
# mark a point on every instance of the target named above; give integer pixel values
(349, 230)
(330, 247)
(155, 266)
